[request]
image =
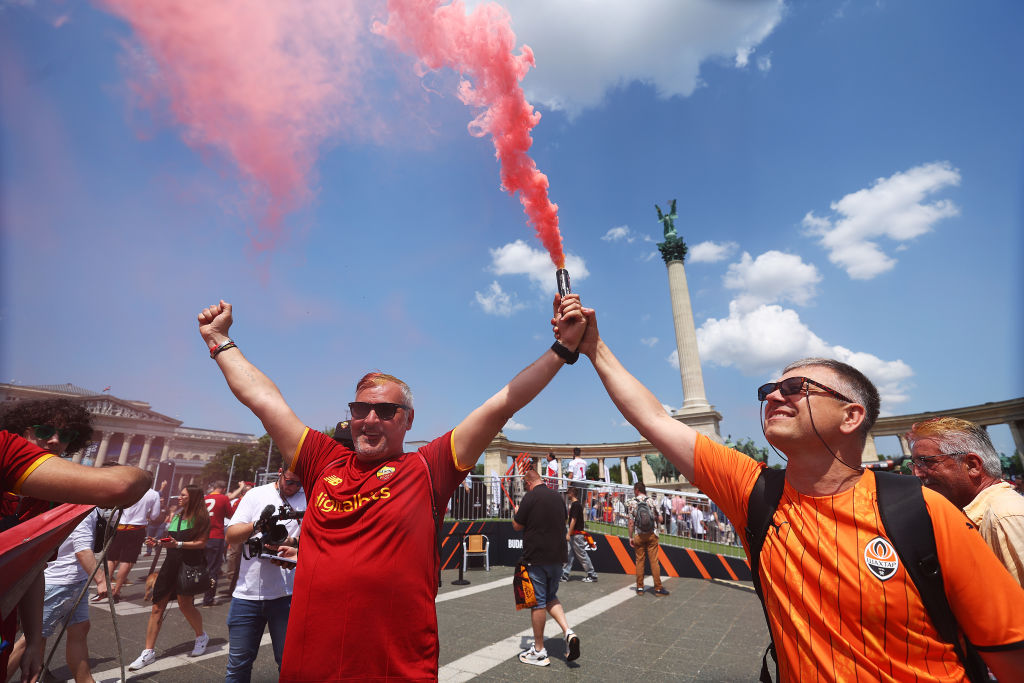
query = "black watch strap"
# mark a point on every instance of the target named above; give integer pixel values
(565, 354)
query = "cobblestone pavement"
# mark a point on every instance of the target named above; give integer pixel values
(703, 631)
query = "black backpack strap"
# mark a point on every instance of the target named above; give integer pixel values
(909, 526)
(764, 499)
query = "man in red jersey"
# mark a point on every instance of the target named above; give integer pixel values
(219, 506)
(363, 600)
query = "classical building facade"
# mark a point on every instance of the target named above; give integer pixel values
(130, 432)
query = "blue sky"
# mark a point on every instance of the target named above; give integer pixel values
(848, 178)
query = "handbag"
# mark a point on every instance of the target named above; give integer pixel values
(192, 579)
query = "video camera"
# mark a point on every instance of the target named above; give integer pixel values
(273, 533)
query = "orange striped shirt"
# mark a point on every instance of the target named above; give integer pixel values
(839, 609)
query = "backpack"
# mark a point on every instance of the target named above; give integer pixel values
(909, 528)
(643, 518)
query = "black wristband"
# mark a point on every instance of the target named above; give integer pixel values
(565, 354)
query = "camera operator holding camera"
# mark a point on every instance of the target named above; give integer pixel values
(266, 523)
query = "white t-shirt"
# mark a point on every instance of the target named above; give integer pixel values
(553, 469)
(578, 468)
(145, 509)
(66, 569)
(261, 579)
(697, 520)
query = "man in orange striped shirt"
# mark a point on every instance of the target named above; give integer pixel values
(841, 606)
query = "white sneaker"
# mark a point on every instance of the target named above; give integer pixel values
(531, 656)
(145, 659)
(200, 646)
(572, 646)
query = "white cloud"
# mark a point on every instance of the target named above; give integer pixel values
(761, 341)
(892, 207)
(771, 277)
(519, 258)
(583, 50)
(649, 341)
(618, 233)
(711, 252)
(497, 301)
(513, 426)
(764, 63)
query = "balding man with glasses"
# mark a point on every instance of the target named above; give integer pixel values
(836, 610)
(366, 579)
(956, 458)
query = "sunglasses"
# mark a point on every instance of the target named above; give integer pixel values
(385, 411)
(291, 482)
(794, 385)
(45, 432)
(923, 462)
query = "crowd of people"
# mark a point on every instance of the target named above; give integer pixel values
(826, 560)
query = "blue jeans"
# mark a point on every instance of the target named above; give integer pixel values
(246, 621)
(545, 578)
(214, 557)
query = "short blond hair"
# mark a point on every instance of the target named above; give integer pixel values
(376, 379)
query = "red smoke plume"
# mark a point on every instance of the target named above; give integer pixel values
(479, 46)
(263, 82)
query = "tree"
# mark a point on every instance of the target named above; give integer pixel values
(747, 446)
(249, 460)
(663, 469)
(592, 472)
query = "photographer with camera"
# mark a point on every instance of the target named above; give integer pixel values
(267, 524)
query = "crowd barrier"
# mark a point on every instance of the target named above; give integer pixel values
(485, 504)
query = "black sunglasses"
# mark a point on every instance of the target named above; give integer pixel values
(44, 432)
(794, 385)
(385, 411)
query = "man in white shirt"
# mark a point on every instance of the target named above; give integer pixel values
(126, 546)
(66, 578)
(577, 466)
(263, 594)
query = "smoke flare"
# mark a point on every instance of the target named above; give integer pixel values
(262, 82)
(479, 46)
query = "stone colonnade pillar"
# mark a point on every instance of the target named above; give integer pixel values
(104, 446)
(145, 451)
(122, 459)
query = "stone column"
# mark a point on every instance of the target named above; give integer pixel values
(600, 469)
(696, 412)
(104, 445)
(145, 451)
(123, 458)
(905, 445)
(646, 473)
(166, 450)
(624, 472)
(1017, 431)
(870, 453)
(686, 339)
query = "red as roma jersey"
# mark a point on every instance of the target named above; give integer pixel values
(363, 600)
(840, 603)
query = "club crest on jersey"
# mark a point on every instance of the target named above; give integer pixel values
(332, 480)
(384, 473)
(881, 558)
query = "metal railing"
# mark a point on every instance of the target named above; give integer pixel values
(492, 497)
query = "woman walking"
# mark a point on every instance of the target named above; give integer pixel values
(185, 544)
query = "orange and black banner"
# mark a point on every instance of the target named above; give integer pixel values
(613, 554)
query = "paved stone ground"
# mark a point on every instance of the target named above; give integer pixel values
(703, 631)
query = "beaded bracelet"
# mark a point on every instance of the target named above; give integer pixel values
(223, 347)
